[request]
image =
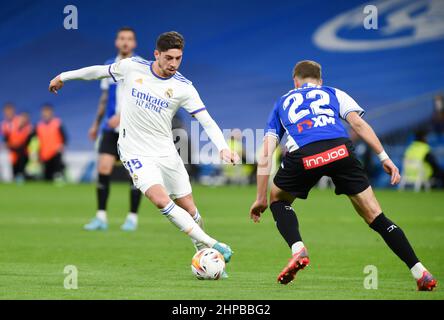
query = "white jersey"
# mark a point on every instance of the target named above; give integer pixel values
(114, 102)
(149, 104)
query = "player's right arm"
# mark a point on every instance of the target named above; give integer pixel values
(88, 73)
(273, 134)
(350, 111)
(264, 163)
(366, 133)
(116, 71)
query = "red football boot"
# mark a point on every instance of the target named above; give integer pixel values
(427, 282)
(298, 262)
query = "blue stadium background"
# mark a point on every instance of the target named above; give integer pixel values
(239, 55)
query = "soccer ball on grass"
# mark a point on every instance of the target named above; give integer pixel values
(208, 264)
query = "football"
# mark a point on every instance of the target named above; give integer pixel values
(208, 264)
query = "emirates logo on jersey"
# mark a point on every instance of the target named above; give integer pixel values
(169, 93)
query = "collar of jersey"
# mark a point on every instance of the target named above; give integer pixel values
(154, 74)
(308, 84)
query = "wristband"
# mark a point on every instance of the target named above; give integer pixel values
(383, 156)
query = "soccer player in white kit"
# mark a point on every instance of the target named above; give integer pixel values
(152, 92)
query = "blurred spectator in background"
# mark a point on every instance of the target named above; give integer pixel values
(16, 131)
(421, 164)
(241, 173)
(438, 115)
(52, 140)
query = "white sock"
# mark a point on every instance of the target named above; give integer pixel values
(133, 217)
(296, 247)
(101, 214)
(417, 270)
(198, 219)
(182, 219)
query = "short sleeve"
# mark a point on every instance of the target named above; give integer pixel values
(104, 84)
(274, 126)
(119, 69)
(347, 104)
(192, 102)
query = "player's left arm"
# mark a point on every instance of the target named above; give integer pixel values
(216, 136)
(273, 134)
(366, 132)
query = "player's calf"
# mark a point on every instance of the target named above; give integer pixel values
(395, 238)
(368, 207)
(288, 226)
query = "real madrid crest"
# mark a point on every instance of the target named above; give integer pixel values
(169, 93)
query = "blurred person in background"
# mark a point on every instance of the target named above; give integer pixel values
(241, 173)
(7, 122)
(438, 115)
(52, 140)
(420, 151)
(107, 124)
(16, 131)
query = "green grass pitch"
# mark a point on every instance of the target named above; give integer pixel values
(41, 232)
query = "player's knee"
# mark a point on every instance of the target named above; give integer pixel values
(278, 195)
(104, 168)
(159, 199)
(105, 164)
(370, 211)
(274, 195)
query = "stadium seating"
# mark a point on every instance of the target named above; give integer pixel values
(240, 63)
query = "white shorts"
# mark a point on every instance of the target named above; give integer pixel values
(167, 171)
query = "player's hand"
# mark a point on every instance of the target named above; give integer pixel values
(55, 85)
(392, 170)
(92, 132)
(229, 156)
(114, 121)
(257, 209)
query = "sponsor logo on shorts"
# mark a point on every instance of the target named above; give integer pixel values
(326, 157)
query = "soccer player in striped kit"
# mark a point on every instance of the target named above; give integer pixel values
(319, 146)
